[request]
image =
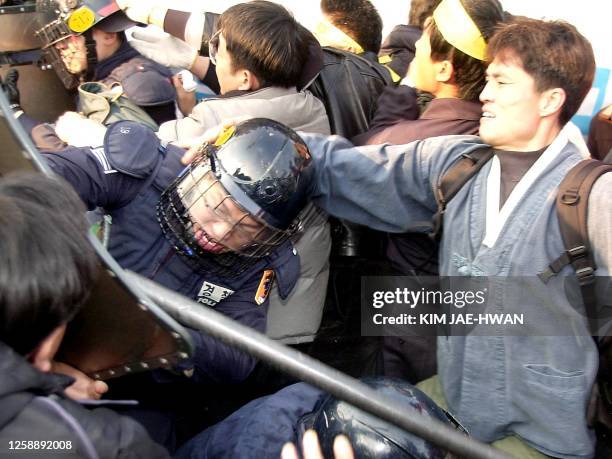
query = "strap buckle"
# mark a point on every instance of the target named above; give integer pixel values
(577, 252)
(570, 198)
(586, 276)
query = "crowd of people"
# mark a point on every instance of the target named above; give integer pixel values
(226, 201)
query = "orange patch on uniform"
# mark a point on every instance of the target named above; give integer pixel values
(265, 285)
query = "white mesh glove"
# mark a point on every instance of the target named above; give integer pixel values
(164, 49)
(78, 131)
(144, 11)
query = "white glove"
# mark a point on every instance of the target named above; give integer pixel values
(144, 11)
(78, 131)
(164, 49)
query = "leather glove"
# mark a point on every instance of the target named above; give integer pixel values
(165, 50)
(144, 11)
(9, 86)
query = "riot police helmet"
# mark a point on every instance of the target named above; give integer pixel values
(241, 197)
(371, 437)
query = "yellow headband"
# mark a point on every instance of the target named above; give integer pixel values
(458, 28)
(330, 35)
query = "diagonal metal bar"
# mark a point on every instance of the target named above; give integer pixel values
(311, 371)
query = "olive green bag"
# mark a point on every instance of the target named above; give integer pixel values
(109, 104)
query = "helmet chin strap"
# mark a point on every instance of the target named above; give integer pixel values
(92, 55)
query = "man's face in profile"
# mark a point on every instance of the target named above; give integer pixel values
(230, 78)
(73, 53)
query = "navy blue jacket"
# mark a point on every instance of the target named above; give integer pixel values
(125, 177)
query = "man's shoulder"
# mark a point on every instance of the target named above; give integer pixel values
(132, 149)
(145, 82)
(284, 262)
(299, 110)
(600, 199)
(237, 98)
(456, 141)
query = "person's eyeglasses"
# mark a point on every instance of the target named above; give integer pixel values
(213, 47)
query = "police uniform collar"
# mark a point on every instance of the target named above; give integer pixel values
(285, 261)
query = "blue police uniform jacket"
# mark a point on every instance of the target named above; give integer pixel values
(125, 177)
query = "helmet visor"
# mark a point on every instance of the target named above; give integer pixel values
(216, 222)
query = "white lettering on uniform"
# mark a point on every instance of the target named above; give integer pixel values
(211, 294)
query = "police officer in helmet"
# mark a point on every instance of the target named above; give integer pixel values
(216, 231)
(84, 40)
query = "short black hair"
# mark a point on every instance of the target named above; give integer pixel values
(568, 62)
(359, 19)
(264, 38)
(420, 10)
(48, 266)
(469, 72)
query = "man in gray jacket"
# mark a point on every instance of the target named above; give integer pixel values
(259, 51)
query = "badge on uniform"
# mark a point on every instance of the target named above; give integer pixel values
(265, 285)
(211, 294)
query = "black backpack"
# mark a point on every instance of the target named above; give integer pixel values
(572, 208)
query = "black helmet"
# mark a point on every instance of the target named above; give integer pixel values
(62, 19)
(371, 437)
(240, 198)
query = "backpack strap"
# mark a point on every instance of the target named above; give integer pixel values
(572, 209)
(466, 167)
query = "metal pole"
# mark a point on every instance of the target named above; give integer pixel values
(311, 371)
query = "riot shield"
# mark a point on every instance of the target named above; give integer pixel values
(43, 96)
(119, 330)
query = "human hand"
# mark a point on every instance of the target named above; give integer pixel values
(9, 86)
(211, 135)
(79, 131)
(163, 48)
(144, 11)
(186, 100)
(312, 450)
(84, 388)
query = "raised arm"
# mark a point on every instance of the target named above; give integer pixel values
(388, 188)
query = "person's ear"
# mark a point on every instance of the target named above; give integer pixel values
(249, 81)
(42, 356)
(444, 71)
(551, 101)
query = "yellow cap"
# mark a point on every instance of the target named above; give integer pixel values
(81, 19)
(458, 28)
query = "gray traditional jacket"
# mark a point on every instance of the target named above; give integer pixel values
(299, 110)
(534, 386)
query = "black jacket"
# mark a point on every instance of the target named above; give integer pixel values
(400, 47)
(34, 409)
(349, 85)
